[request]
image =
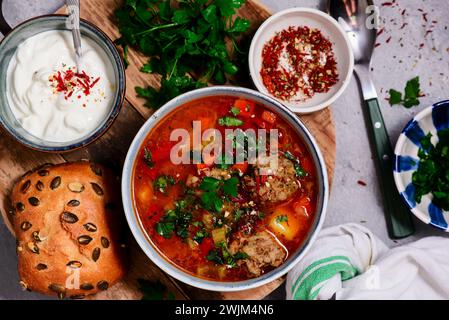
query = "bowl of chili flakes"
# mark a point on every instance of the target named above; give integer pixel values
(301, 57)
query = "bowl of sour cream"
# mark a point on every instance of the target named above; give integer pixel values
(46, 103)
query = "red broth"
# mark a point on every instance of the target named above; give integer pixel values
(246, 234)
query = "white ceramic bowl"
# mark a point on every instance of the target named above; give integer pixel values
(144, 240)
(331, 30)
(433, 120)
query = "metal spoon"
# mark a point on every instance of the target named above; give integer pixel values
(74, 24)
(356, 18)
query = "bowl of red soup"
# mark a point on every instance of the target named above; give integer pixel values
(224, 188)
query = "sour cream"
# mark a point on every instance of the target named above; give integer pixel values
(49, 102)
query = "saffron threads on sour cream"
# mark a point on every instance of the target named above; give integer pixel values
(297, 63)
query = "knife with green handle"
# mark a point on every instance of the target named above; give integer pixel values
(397, 214)
(360, 22)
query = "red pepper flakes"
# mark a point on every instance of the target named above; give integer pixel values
(362, 183)
(69, 82)
(380, 31)
(311, 67)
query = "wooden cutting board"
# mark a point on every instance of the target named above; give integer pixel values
(111, 150)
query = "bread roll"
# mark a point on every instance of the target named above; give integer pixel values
(68, 221)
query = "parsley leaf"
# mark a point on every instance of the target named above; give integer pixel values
(230, 187)
(281, 218)
(210, 184)
(154, 290)
(214, 256)
(412, 89)
(165, 229)
(426, 143)
(241, 256)
(162, 182)
(238, 214)
(395, 97)
(240, 25)
(211, 201)
(228, 7)
(411, 95)
(235, 111)
(200, 235)
(299, 170)
(148, 158)
(197, 224)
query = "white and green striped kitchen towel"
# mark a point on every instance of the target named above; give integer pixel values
(349, 262)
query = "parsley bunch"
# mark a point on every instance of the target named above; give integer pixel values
(182, 39)
(432, 175)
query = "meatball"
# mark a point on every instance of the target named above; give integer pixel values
(263, 250)
(275, 188)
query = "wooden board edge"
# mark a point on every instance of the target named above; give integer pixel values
(332, 156)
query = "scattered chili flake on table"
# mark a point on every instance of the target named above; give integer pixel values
(70, 82)
(362, 183)
(424, 16)
(297, 63)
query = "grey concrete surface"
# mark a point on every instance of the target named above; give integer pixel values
(394, 63)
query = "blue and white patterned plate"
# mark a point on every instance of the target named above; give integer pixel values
(433, 120)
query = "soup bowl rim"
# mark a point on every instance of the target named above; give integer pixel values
(143, 238)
